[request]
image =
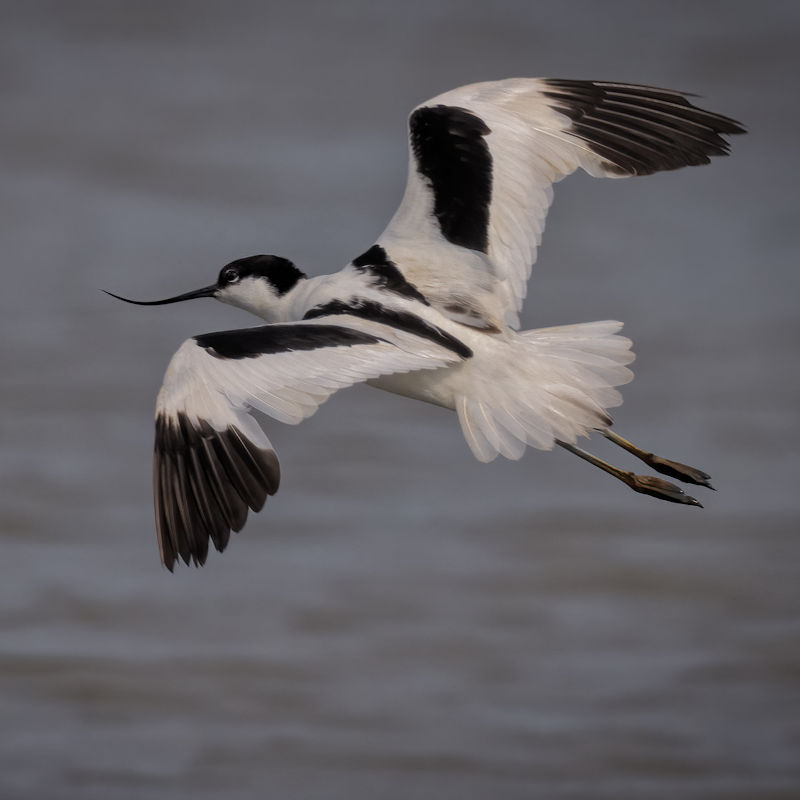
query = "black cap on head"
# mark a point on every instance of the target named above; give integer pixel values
(282, 274)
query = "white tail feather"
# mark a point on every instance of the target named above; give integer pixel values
(546, 384)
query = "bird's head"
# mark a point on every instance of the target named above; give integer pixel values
(257, 284)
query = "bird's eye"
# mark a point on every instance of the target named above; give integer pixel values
(230, 276)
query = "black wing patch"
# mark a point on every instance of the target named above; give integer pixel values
(451, 152)
(402, 320)
(384, 271)
(204, 481)
(639, 130)
(252, 342)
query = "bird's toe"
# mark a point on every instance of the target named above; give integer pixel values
(681, 472)
(663, 490)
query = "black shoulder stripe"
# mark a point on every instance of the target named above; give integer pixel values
(376, 263)
(252, 342)
(451, 152)
(402, 320)
(204, 482)
(639, 130)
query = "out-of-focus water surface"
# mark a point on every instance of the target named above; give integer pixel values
(401, 621)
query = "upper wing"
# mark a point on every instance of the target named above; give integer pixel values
(483, 159)
(212, 460)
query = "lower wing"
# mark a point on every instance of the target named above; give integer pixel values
(212, 461)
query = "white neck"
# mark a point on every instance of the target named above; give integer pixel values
(258, 297)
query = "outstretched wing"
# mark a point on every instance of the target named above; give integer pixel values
(212, 461)
(483, 159)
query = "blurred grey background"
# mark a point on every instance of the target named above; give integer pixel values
(401, 621)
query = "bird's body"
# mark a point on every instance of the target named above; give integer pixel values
(430, 311)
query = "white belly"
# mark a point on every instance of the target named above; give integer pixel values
(437, 386)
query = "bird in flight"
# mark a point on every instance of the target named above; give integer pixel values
(430, 310)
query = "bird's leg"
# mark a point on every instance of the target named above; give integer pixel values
(645, 484)
(663, 465)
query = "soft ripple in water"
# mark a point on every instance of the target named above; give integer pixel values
(477, 662)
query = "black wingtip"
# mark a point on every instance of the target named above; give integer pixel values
(205, 481)
(639, 130)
